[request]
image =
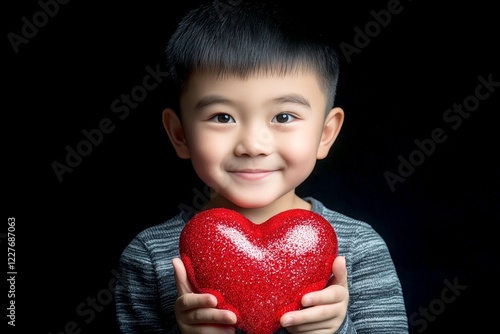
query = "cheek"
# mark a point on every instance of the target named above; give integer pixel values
(301, 146)
(300, 151)
(207, 151)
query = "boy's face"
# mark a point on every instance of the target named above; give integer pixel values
(255, 140)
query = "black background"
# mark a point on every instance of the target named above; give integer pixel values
(440, 223)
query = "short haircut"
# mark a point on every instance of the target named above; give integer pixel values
(245, 39)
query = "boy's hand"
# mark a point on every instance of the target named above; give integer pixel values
(324, 310)
(196, 313)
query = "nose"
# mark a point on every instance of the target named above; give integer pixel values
(254, 141)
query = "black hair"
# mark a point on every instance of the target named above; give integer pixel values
(247, 38)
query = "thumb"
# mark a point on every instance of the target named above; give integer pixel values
(181, 279)
(339, 271)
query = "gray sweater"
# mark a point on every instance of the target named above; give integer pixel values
(145, 291)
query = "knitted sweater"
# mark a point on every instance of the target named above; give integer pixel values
(145, 292)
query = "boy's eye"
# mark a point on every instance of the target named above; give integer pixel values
(283, 118)
(223, 118)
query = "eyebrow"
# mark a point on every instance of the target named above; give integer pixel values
(210, 100)
(292, 98)
(218, 99)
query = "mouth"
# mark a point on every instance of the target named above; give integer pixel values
(252, 174)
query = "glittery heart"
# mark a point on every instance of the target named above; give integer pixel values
(258, 271)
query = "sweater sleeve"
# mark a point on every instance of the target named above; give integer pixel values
(376, 303)
(137, 296)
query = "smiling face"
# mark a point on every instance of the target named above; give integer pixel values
(254, 140)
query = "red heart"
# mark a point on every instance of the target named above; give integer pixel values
(258, 271)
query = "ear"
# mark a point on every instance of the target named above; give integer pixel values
(331, 129)
(173, 126)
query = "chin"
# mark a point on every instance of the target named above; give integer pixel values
(253, 203)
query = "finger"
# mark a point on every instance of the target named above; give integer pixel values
(211, 316)
(191, 301)
(214, 329)
(181, 279)
(328, 295)
(339, 271)
(316, 318)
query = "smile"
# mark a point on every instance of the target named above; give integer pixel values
(252, 175)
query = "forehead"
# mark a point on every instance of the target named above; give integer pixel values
(254, 86)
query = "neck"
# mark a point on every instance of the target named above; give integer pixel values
(259, 215)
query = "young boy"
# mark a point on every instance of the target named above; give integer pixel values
(255, 113)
